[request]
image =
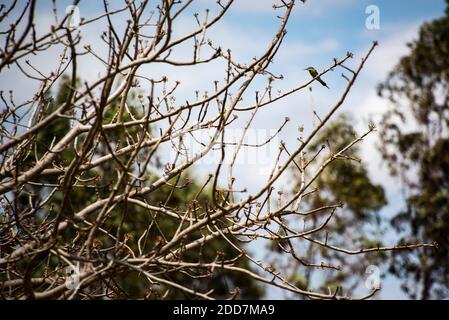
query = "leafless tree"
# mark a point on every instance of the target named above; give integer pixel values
(32, 180)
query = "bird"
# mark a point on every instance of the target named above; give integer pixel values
(314, 73)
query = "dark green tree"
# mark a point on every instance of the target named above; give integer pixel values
(345, 185)
(415, 144)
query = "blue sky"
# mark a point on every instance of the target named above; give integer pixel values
(318, 31)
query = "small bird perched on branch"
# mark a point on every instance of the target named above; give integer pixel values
(314, 73)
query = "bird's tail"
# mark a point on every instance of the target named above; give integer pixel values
(323, 83)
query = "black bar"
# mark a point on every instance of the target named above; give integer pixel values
(241, 309)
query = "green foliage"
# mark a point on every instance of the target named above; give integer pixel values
(300, 281)
(345, 181)
(415, 144)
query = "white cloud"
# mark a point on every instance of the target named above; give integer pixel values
(367, 106)
(392, 45)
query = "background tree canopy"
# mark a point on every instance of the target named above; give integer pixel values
(345, 183)
(415, 144)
